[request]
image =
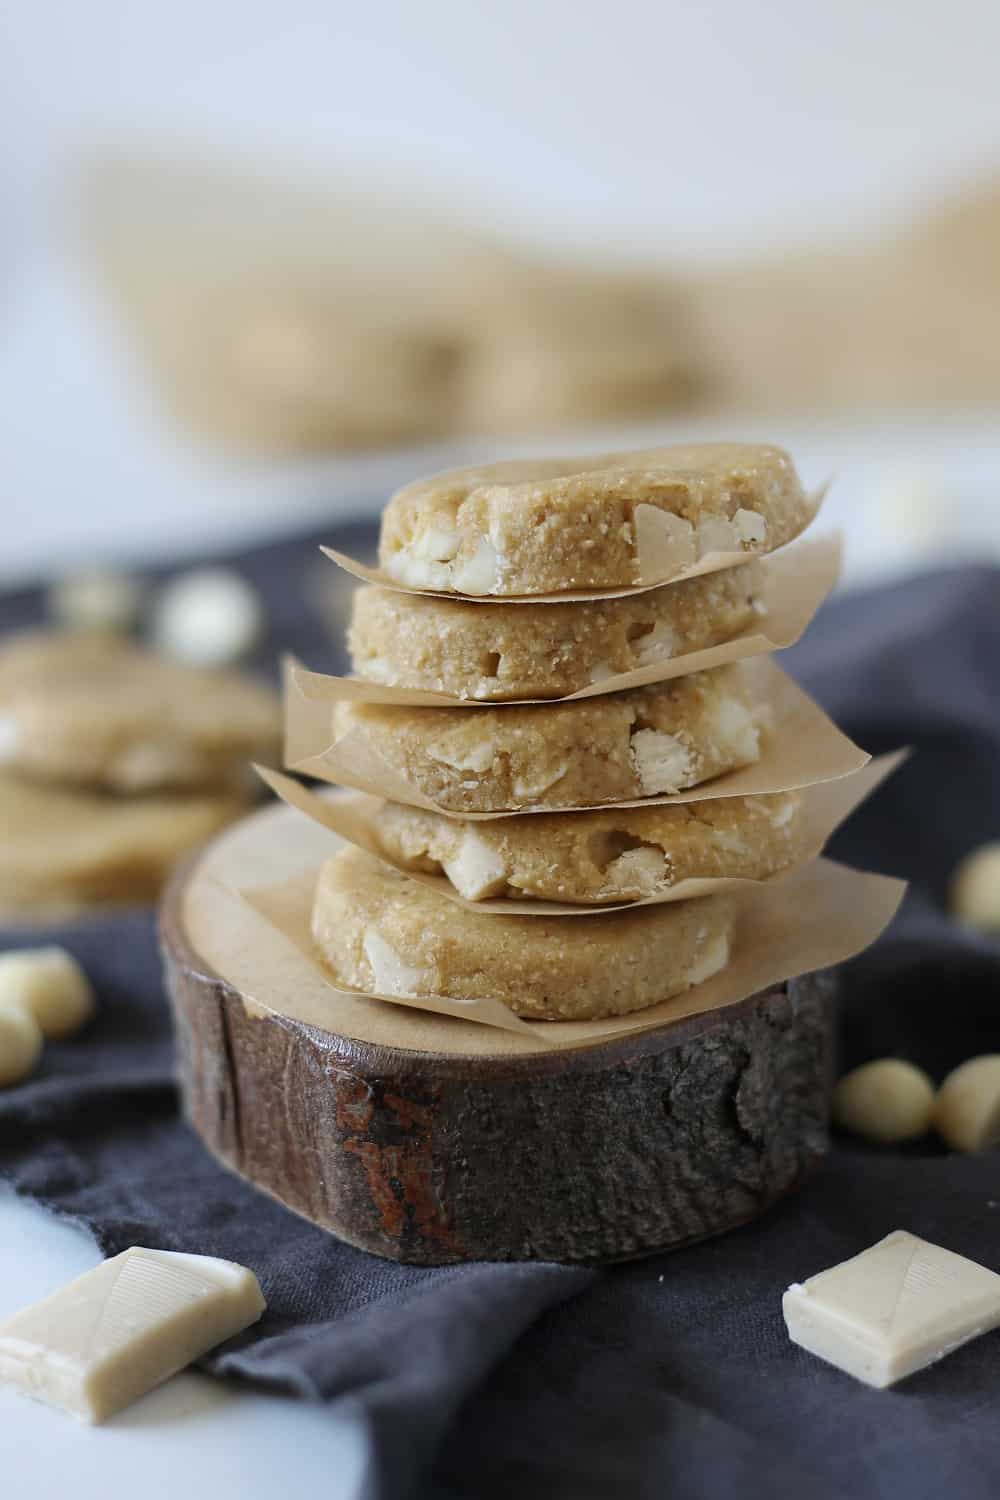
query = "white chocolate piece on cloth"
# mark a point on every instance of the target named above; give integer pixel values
(50, 985)
(20, 1044)
(887, 1100)
(380, 932)
(892, 1310)
(98, 1344)
(614, 520)
(967, 1107)
(975, 888)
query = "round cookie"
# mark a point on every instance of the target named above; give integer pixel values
(93, 711)
(540, 526)
(599, 857)
(492, 652)
(646, 742)
(379, 931)
(66, 850)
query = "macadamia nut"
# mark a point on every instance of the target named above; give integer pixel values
(50, 986)
(106, 602)
(967, 1108)
(20, 1044)
(209, 616)
(887, 1101)
(975, 889)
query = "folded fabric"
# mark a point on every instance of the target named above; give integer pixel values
(668, 1376)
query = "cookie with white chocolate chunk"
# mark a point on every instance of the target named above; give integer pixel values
(599, 857)
(491, 652)
(608, 521)
(92, 711)
(380, 932)
(646, 742)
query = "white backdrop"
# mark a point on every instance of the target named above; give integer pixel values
(698, 127)
(688, 129)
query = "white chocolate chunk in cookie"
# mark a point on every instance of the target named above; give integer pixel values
(476, 871)
(529, 788)
(389, 974)
(713, 959)
(737, 727)
(751, 528)
(481, 573)
(667, 538)
(436, 544)
(660, 644)
(644, 869)
(477, 757)
(716, 534)
(662, 762)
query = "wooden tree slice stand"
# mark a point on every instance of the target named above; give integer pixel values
(431, 1140)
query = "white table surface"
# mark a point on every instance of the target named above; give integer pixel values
(89, 471)
(192, 1437)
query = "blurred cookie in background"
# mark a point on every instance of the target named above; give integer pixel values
(114, 762)
(278, 318)
(94, 711)
(909, 317)
(288, 319)
(552, 343)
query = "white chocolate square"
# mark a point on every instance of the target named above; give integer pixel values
(108, 1337)
(893, 1309)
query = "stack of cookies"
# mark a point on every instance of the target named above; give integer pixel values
(113, 762)
(505, 589)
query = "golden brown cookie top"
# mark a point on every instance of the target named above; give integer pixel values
(615, 520)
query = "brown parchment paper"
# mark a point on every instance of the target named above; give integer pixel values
(821, 915)
(796, 581)
(350, 815)
(652, 554)
(801, 747)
